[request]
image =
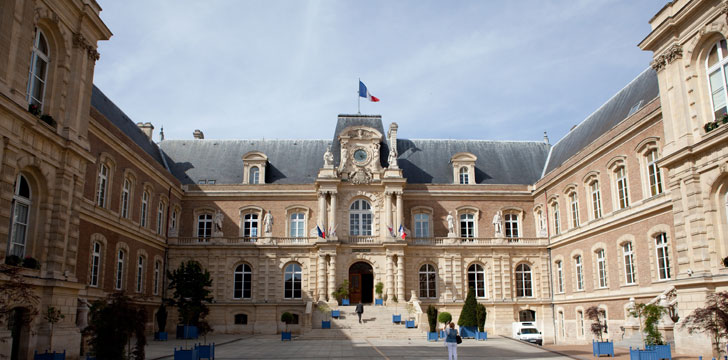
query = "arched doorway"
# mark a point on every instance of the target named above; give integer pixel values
(18, 325)
(361, 283)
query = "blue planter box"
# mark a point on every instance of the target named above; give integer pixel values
(442, 334)
(335, 313)
(481, 336)
(326, 324)
(285, 336)
(160, 336)
(49, 356)
(431, 336)
(206, 351)
(662, 351)
(378, 302)
(637, 354)
(185, 354)
(344, 301)
(410, 324)
(468, 331)
(600, 348)
(186, 332)
(396, 318)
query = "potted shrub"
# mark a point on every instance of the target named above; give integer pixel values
(711, 319)
(113, 323)
(481, 314)
(410, 322)
(651, 313)
(341, 294)
(53, 315)
(468, 321)
(13, 260)
(600, 347)
(325, 311)
(191, 294)
(444, 318)
(161, 334)
(432, 322)
(379, 289)
(30, 262)
(286, 318)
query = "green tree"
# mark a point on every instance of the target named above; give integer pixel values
(162, 318)
(379, 289)
(651, 314)
(444, 317)
(190, 283)
(482, 314)
(432, 318)
(112, 324)
(341, 292)
(469, 315)
(287, 318)
(711, 319)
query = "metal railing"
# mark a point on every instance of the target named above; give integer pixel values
(243, 241)
(360, 240)
(467, 241)
(429, 241)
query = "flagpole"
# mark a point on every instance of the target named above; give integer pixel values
(358, 98)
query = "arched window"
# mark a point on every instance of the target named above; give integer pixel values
(119, 270)
(428, 281)
(579, 273)
(157, 270)
(562, 326)
(560, 276)
(580, 322)
(292, 281)
(523, 281)
(574, 202)
(715, 68)
(103, 183)
(596, 199)
(145, 209)
(467, 225)
(297, 223)
(464, 177)
(38, 73)
(242, 282)
(628, 263)
(476, 279)
(161, 217)
(140, 274)
(653, 173)
(360, 218)
(620, 176)
(254, 176)
(173, 221)
(602, 267)
(20, 217)
(557, 220)
(204, 226)
(511, 222)
(663, 257)
(125, 195)
(95, 264)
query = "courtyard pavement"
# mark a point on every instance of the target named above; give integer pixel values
(271, 347)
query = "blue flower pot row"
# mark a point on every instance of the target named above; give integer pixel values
(199, 351)
(432, 336)
(651, 352)
(481, 335)
(468, 331)
(50, 356)
(600, 348)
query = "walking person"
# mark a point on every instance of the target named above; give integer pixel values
(359, 310)
(451, 342)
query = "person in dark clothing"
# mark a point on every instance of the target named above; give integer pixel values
(359, 310)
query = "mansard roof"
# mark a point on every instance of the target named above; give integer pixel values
(637, 94)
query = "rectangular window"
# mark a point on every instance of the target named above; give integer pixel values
(718, 93)
(101, 191)
(297, 225)
(574, 210)
(140, 275)
(119, 270)
(467, 226)
(125, 193)
(622, 188)
(250, 226)
(95, 262)
(628, 263)
(653, 172)
(663, 257)
(579, 274)
(511, 222)
(422, 225)
(157, 269)
(145, 207)
(602, 268)
(596, 200)
(204, 226)
(160, 219)
(20, 228)
(560, 276)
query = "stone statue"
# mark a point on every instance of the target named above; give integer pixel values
(218, 221)
(498, 224)
(328, 158)
(268, 222)
(450, 223)
(392, 160)
(82, 310)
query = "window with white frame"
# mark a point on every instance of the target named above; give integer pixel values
(103, 184)
(422, 225)
(157, 270)
(204, 226)
(254, 176)
(125, 195)
(562, 326)
(579, 273)
(360, 218)
(38, 73)
(467, 225)
(173, 220)
(653, 173)
(145, 208)
(580, 322)
(574, 202)
(250, 225)
(242, 281)
(621, 182)
(602, 267)
(160, 218)
(297, 224)
(20, 217)
(464, 176)
(95, 264)
(292, 282)
(140, 274)
(476, 280)
(557, 221)
(560, 276)
(596, 197)
(524, 285)
(663, 257)
(119, 270)
(511, 223)
(628, 254)
(428, 281)
(715, 65)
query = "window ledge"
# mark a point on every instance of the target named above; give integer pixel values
(629, 285)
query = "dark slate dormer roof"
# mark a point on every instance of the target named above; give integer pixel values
(372, 121)
(289, 161)
(638, 93)
(106, 107)
(499, 162)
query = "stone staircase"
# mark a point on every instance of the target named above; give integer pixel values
(376, 324)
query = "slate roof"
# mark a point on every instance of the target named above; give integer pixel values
(638, 93)
(117, 117)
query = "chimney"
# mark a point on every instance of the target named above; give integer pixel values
(545, 138)
(198, 134)
(147, 128)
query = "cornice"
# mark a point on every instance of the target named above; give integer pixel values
(99, 217)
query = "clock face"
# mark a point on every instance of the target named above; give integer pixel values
(360, 155)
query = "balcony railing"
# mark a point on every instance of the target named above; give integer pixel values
(430, 241)
(243, 241)
(360, 240)
(466, 241)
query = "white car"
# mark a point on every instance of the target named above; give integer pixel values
(527, 331)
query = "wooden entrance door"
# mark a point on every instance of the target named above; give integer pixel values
(355, 288)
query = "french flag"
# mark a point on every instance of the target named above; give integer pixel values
(363, 92)
(402, 232)
(321, 234)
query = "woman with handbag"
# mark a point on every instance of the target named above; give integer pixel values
(451, 341)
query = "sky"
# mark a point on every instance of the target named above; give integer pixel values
(490, 70)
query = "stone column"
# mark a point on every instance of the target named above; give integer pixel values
(321, 218)
(389, 280)
(332, 214)
(321, 286)
(400, 278)
(388, 210)
(400, 210)
(332, 276)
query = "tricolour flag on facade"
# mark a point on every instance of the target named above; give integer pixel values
(402, 232)
(321, 234)
(363, 92)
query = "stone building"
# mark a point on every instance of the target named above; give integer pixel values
(629, 207)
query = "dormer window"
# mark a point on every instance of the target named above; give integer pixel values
(463, 168)
(254, 164)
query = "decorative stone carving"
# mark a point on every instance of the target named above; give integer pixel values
(673, 53)
(360, 176)
(80, 42)
(328, 159)
(498, 224)
(268, 222)
(217, 220)
(450, 223)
